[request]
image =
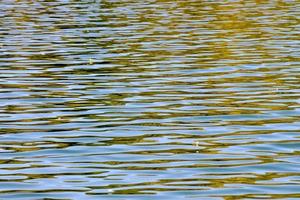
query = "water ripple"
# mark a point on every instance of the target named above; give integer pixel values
(153, 99)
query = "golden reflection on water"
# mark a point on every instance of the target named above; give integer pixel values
(172, 99)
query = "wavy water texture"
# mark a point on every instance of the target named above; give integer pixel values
(150, 99)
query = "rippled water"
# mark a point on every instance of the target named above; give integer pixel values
(149, 99)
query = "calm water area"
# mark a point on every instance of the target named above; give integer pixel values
(152, 99)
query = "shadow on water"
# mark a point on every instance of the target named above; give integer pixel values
(149, 99)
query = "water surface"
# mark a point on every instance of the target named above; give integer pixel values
(149, 99)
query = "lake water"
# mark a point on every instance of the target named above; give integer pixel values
(150, 99)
